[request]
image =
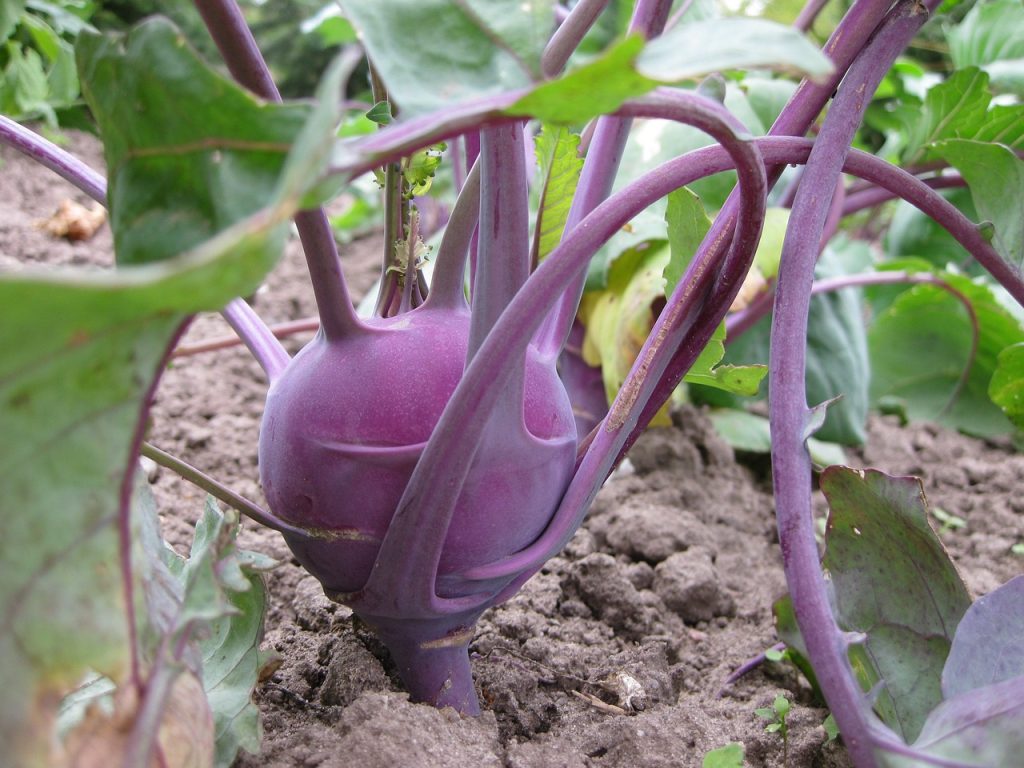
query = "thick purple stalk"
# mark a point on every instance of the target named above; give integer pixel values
(503, 255)
(568, 36)
(827, 646)
(262, 343)
(604, 155)
(235, 41)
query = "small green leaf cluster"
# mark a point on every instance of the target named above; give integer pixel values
(37, 57)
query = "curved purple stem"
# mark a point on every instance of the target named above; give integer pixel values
(870, 197)
(790, 417)
(61, 162)
(569, 34)
(224, 20)
(262, 343)
(448, 288)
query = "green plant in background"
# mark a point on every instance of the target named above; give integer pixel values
(37, 58)
(776, 717)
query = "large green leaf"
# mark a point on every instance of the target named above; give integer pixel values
(688, 51)
(920, 345)
(598, 87)
(79, 351)
(894, 582)
(10, 12)
(432, 53)
(995, 176)
(188, 152)
(961, 108)
(989, 37)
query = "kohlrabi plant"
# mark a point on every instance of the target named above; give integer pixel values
(425, 460)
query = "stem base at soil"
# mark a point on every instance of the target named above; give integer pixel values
(432, 658)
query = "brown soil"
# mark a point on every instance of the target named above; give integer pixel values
(668, 585)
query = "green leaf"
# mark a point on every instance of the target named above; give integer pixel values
(750, 432)
(499, 44)
(737, 379)
(688, 51)
(178, 176)
(1006, 387)
(79, 351)
(10, 13)
(995, 176)
(596, 88)
(231, 596)
(688, 223)
(380, 113)
(729, 756)
(894, 582)
(559, 166)
(952, 109)
(920, 344)
(989, 35)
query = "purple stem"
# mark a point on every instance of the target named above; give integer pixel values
(835, 215)
(805, 20)
(124, 514)
(448, 288)
(873, 196)
(46, 153)
(568, 36)
(503, 257)
(604, 155)
(673, 325)
(749, 666)
(790, 417)
(227, 26)
(261, 341)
